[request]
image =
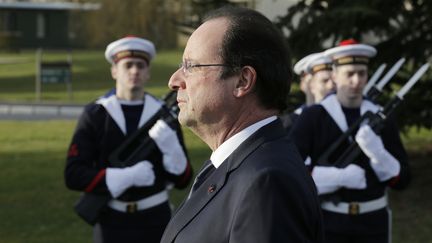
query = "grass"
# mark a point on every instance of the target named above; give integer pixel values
(90, 76)
(33, 198)
(36, 207)
(412, 207)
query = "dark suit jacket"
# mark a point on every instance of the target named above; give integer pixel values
(261, 193)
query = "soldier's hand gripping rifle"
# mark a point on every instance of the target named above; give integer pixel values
(372, 92)
(138, 145)
(374, 120)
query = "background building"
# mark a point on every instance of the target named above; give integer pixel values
(25, 24)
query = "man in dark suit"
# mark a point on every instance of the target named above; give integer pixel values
(232, 84)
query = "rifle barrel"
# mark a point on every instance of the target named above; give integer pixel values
(374, 78)
(375, 120)
(390, 74)
(413, 80)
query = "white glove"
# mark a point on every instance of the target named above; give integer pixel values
(120, 179)
(382, 162)
(329, 179)
(174, 158)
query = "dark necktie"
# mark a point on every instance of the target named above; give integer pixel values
(207, 170)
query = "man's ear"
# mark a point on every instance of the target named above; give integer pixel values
(114, 71)
(246, 81)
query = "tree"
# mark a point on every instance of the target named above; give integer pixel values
(397, 28)
(144, 18)
(194, 11)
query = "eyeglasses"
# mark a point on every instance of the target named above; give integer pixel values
(188, 67)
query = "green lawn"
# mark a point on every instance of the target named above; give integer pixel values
(90, 76)
(33, 197)
(35, 206)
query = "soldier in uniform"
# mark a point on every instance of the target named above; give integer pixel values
(319, 66)
(288, 117)
(354, 200)
(139, 209)
(315, 82)
(305, 77)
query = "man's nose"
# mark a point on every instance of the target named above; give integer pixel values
(176, 81)
(355, 79)
(135, 68)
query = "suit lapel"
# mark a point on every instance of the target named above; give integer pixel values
(210, 188)
(271, 131)
(190, 208)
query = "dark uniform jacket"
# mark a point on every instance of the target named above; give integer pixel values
(101, 129)
(289, 118)
(317, 128)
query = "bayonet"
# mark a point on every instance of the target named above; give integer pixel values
(374, 78)
(376, 90)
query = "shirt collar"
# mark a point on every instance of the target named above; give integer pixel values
(228, 147)
(131, 102)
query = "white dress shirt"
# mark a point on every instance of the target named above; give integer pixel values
(226, 148)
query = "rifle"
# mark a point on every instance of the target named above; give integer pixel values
(139, 143)
(374, 120)
(90, 205)
(376, 90)
(374, 78)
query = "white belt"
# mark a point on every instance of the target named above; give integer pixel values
(354, 208)
(131, 207)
